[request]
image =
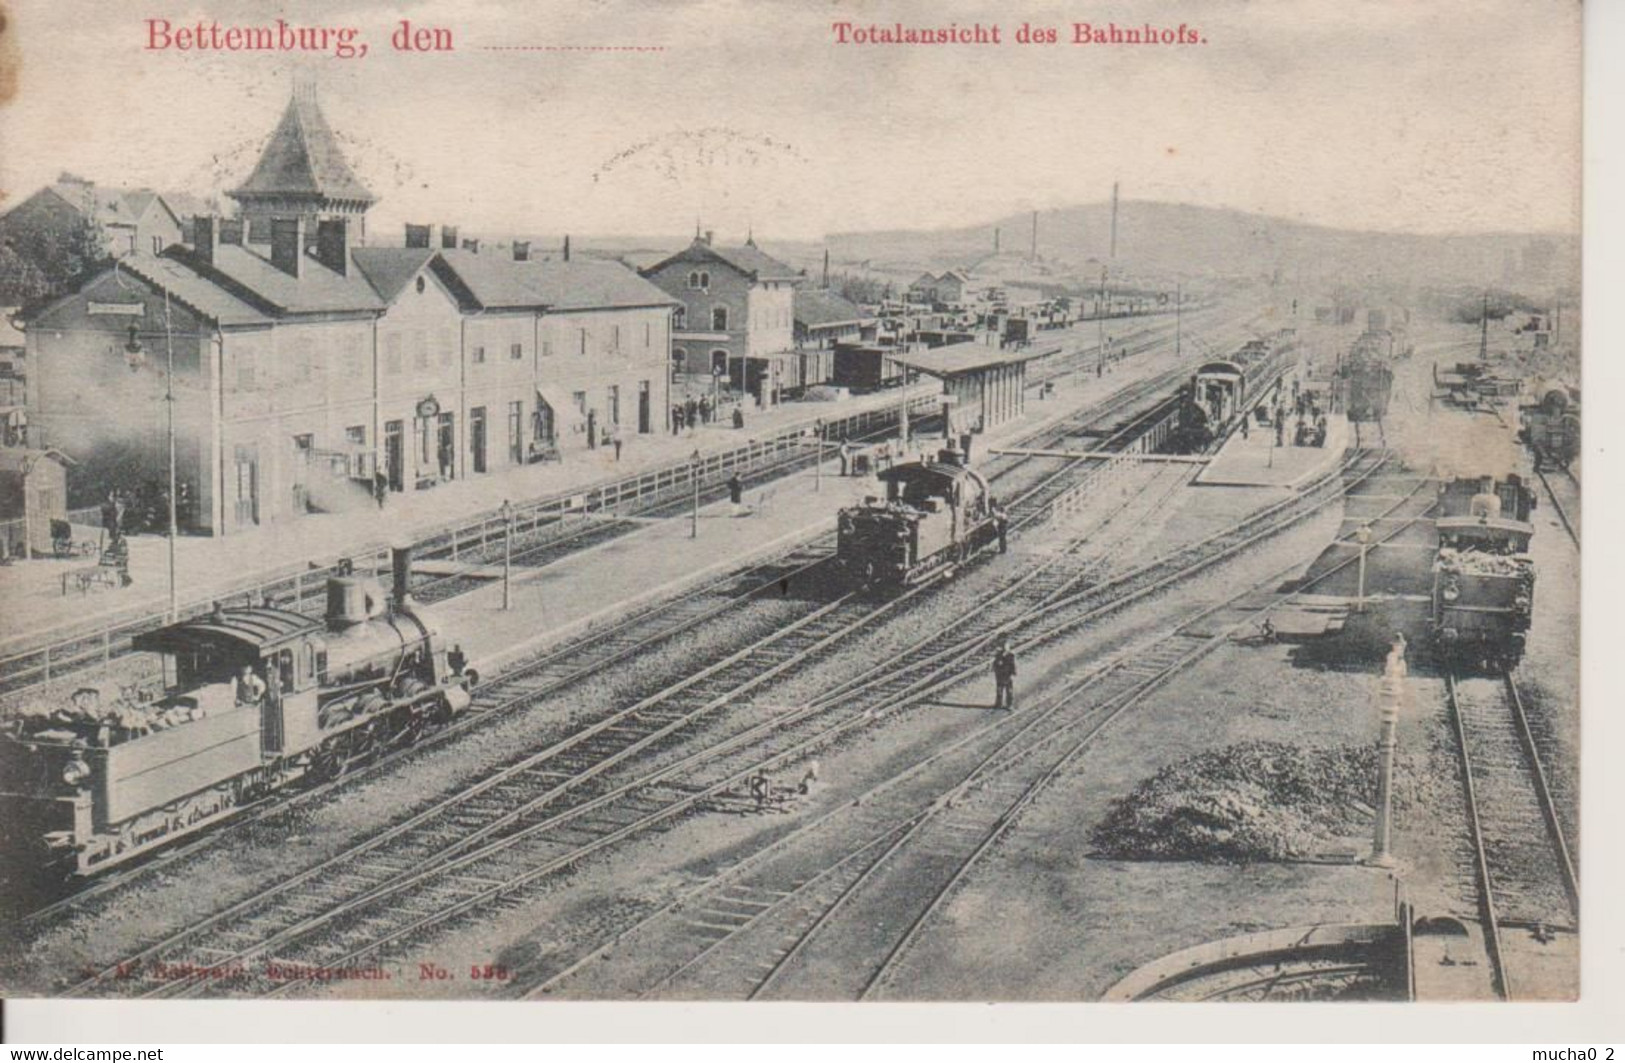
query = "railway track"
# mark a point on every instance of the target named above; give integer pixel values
(563, 780)
(1521, 863)
(1572, 527)
(358, 930)
(841, 901)
(584, 656)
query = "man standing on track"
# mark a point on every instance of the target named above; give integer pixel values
(1004, 677)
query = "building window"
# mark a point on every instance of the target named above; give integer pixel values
(304, 442)
(479, 355)
(356, 435)
(719, 319)
(694, 279)
(705, 281)
(614, 404)
(678, 317)
(516, 433)
(157, 245)
(580, 400)
(516, 351)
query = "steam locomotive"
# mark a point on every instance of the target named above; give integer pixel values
(255, 699)
(1483, 577)
(1551, 427)
(935, 514)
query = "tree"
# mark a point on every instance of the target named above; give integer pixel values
(46, 255)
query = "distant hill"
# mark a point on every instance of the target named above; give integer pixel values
(1174, 240)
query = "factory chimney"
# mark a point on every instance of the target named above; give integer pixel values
(1114, 221)
(995, 240)
(418, 235)
(1035, 236)
(566, 247)
(826, 269)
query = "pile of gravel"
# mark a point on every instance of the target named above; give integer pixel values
(1248, 802)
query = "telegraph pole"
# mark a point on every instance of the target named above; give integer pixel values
(169, 404)
(1179, 309)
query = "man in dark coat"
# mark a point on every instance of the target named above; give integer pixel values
(1004, 677)
(736, 492)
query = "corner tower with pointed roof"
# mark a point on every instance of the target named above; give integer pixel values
(302, 173)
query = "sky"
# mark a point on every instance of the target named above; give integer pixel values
(1395, 115)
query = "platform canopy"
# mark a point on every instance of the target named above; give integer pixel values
(963, 358)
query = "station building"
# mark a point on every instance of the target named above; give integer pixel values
(737, 315)
(311, 371)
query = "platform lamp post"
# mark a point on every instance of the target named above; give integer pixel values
(136, 360)
(694, 512)
(1363, 537)
(1390, 696)
(716, 390)
(507, 515)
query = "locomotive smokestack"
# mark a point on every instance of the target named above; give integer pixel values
(400, 565)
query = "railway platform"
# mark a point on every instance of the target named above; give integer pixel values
(1254, 460)
(34, 590)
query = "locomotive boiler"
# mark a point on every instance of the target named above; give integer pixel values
(1483, 578)
(935, 514)
(254, 699)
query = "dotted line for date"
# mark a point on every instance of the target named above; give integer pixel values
(574, 47)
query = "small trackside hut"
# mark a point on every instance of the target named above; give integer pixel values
(982, 387)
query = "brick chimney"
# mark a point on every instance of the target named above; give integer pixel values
(204, 242)
(287, 244)
(708, 234)
(231, 231)
(521, 250)
(418, 235)
(471, 245)
(448, 236)
(333, 244)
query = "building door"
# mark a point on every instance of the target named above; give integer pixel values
(246, 498)
(543, 424)
(302, 447)
(644, 412)
(476, 436)
(395, 455)
(446, 446)
(516, 433)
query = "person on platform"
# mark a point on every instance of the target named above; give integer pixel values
(736, 493)
(705, 409)
(691, 412)
(1001, 525)
(739, 417)
(676, 420)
